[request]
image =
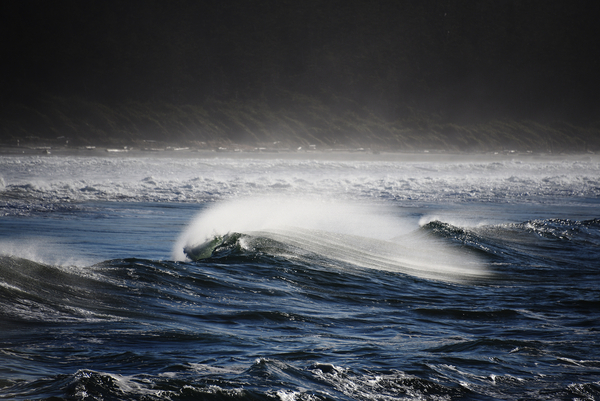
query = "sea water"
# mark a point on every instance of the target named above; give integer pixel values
(322, 276)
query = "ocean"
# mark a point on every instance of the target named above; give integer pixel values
(299, 276)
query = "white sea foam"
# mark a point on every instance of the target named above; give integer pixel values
(72, 179)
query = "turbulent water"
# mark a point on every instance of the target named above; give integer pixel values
(299, 277)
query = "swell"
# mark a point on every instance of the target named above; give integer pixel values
(548, 250)
(549, 246)
(124, 289)
(139, 290)
(31, 291)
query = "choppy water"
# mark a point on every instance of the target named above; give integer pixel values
(322, 279)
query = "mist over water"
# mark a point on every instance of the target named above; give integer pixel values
(43, 250)
(358, 233)
(266, 212)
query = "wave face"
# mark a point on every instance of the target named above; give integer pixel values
(338, 286)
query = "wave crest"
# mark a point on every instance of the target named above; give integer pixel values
(368, 236)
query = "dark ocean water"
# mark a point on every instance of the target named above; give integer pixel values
(471, 299)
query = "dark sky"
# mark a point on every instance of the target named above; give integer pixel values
(461, 59)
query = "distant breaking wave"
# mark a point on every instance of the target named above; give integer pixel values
(35, 184)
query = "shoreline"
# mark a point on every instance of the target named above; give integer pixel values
(333, 154)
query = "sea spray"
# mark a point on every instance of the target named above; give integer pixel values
(365, 235)
(261, 213)
(44, 249)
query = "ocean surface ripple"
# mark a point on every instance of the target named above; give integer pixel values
(402, 283)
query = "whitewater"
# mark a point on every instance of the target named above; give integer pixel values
(299, 276)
